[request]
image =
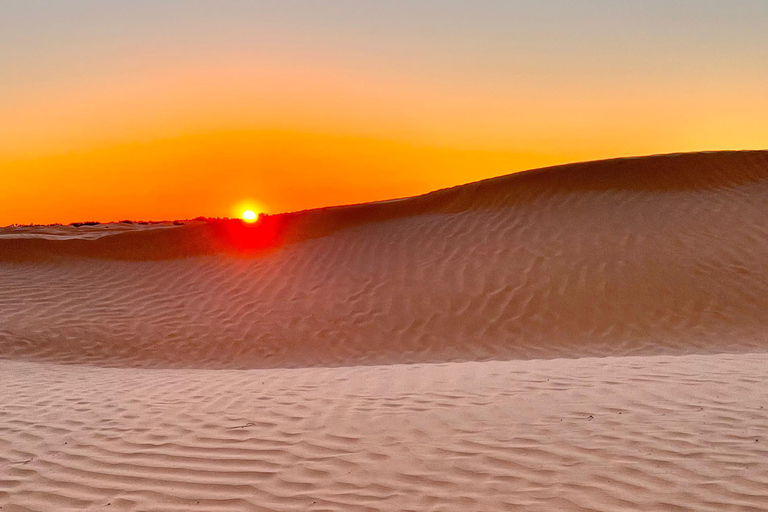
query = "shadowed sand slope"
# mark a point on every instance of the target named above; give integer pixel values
(654, 255)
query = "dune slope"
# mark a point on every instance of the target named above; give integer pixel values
(654, 255)
(215, 366)
(633, 256)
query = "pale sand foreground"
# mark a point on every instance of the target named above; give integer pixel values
(420, 354)
(615, 434)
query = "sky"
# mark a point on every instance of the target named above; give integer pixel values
(172, 109)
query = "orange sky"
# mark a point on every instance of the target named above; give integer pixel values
(113, 127)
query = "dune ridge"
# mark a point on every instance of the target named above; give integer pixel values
(682, 172)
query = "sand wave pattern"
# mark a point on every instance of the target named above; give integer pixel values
(591, 337)
(652, 255)
(608, 434)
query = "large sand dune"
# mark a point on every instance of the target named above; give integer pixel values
(658, 255)
(636, 289)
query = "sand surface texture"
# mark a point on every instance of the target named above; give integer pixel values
(585, 337)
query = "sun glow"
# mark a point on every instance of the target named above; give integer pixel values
(247, 210)
(249, 216)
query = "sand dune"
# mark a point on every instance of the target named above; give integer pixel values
(657, 255)
(584, 337)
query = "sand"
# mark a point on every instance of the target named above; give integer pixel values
(585, 337)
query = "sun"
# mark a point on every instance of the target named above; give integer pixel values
(248, 210)
(249, 216)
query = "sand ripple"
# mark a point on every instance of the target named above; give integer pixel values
(206, 371)
(660, 255)
(611, 434)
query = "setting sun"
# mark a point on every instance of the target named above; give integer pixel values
(249, 216)
(248, 210)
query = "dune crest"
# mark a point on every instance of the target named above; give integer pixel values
(674, 173)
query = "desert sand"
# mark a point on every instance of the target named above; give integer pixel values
(584, 337)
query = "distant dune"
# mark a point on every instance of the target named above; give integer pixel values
(653, 255)
(583, 337)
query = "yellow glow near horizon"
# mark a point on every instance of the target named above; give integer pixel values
(247, 210)
(310, 110)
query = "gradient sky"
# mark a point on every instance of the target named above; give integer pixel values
(169, 109)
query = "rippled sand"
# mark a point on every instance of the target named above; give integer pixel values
(586, 337)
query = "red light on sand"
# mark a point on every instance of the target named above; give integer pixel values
(247, 236)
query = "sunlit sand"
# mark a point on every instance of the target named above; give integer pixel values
(585, 337)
